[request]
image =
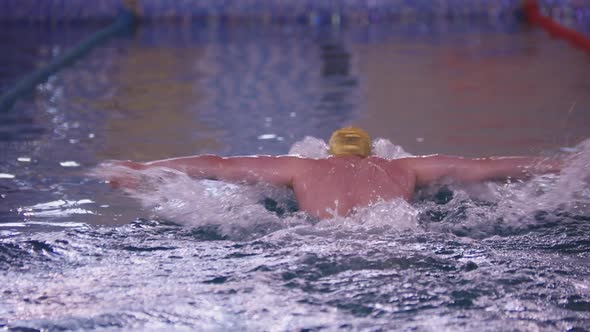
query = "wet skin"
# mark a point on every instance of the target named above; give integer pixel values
(336, 186)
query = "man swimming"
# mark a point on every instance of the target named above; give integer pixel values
(351, 177)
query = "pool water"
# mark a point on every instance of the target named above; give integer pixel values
(179, 254)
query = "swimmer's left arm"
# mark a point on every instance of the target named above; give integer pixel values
(430, 169)
(279, 170)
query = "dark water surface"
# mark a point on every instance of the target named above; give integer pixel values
(76, 254)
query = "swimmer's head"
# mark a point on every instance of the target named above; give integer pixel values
(350, 141)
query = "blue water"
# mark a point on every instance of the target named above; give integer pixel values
(181, 254)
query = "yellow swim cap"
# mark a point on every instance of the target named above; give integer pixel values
(350, 141)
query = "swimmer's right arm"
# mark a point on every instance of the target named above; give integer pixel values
(279, 170)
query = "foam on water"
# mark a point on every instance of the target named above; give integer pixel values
(491, 208)
(233, 210)
(311, 147)
(242, 211)
(58, 208)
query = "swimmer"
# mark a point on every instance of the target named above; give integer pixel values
(351, 177)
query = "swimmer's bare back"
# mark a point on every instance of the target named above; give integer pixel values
(337, 185)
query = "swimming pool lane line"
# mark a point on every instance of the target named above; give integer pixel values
(534, 16)
(125, 20)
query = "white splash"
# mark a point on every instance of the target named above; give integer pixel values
(59, 208)
(385, 149)
(569, 190)
(59, 203)
(311, 147)
(396, 214)
(45, 223)
(514, 205)
(236, 210)
(267, 136)
(69, 163)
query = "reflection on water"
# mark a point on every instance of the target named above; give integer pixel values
(184, 255)
(157, 93)
(458, 96)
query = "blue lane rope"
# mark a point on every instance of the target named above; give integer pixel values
(126, 20)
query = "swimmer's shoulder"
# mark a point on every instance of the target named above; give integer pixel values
(300, 162)
(404, 165)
